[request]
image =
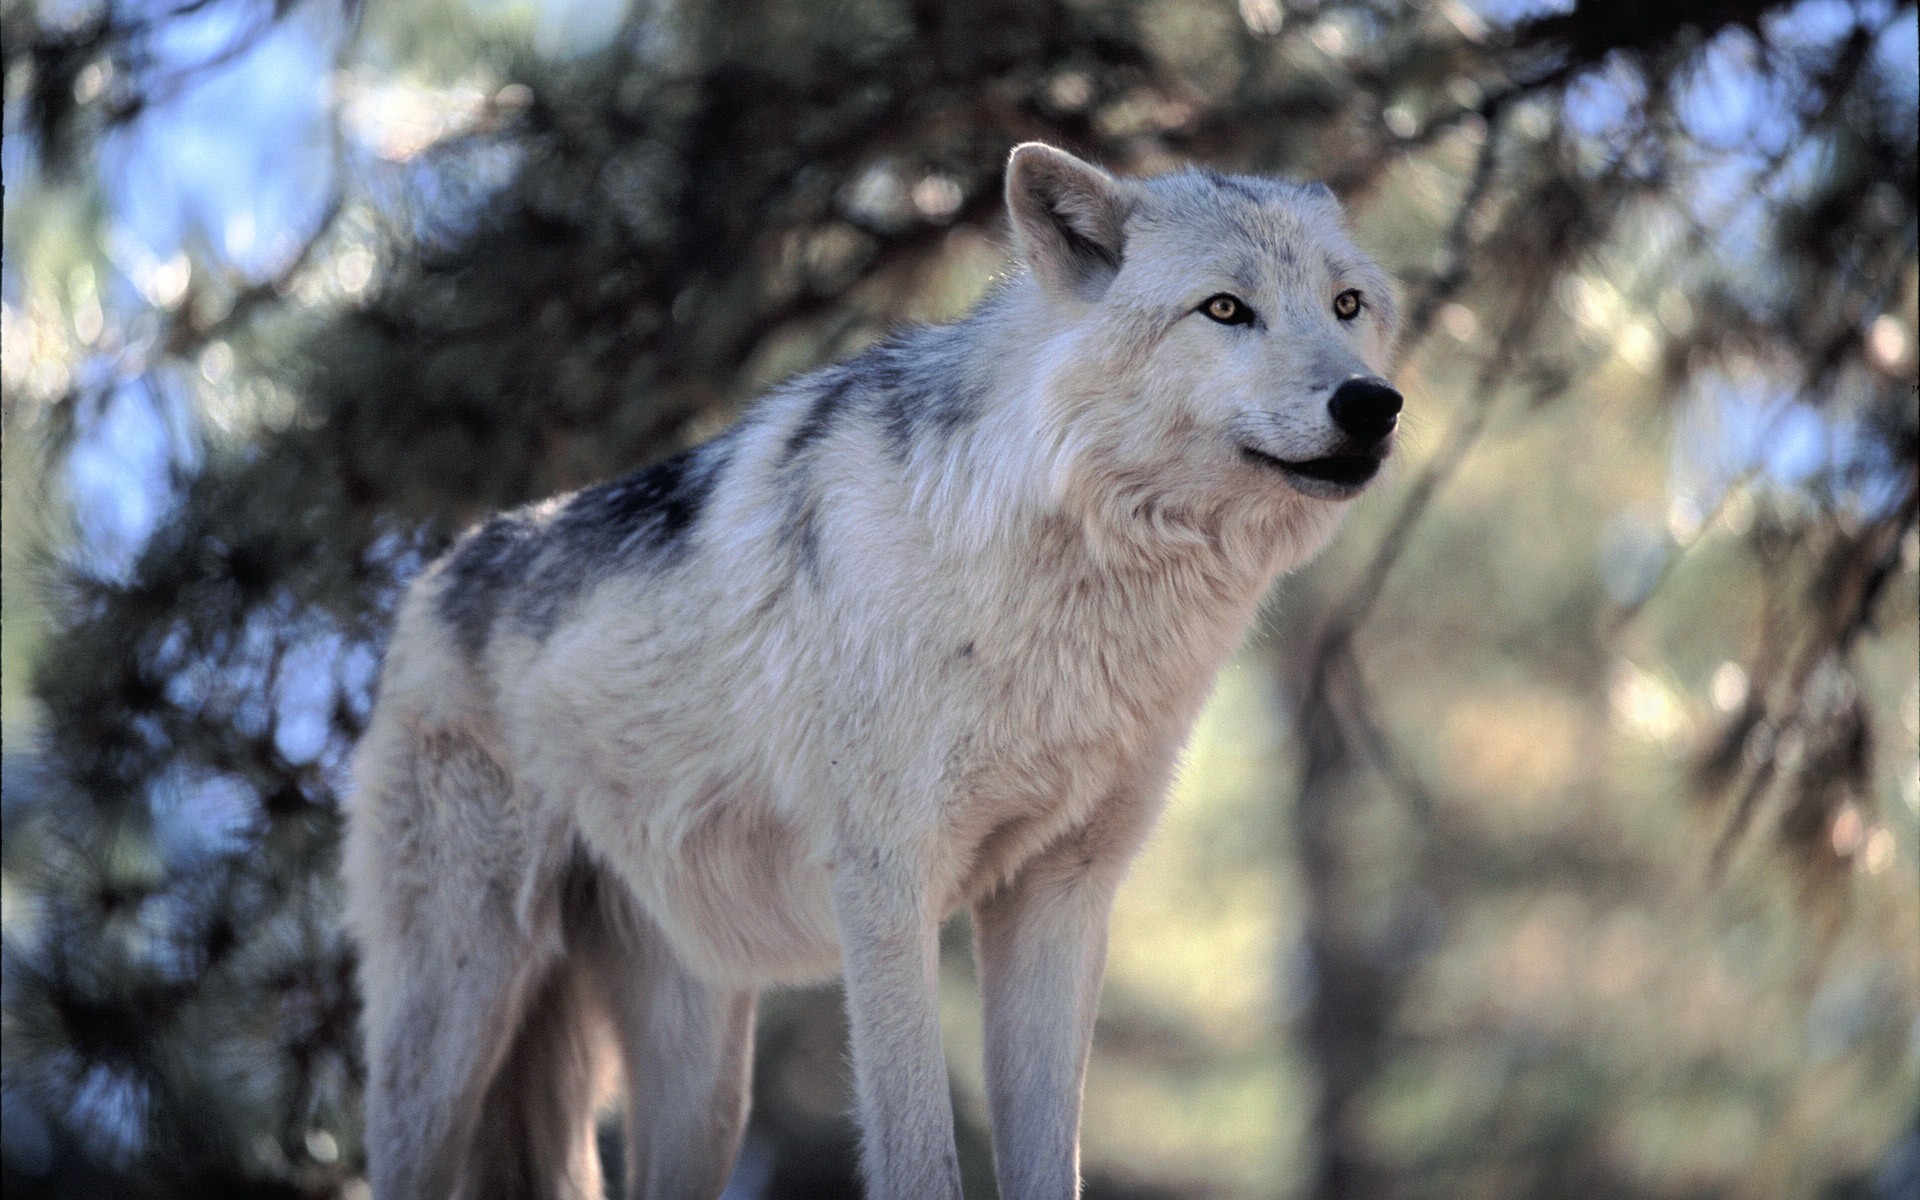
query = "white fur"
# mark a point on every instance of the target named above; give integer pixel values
(729, 773)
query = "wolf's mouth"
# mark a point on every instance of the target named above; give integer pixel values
(1343, 472)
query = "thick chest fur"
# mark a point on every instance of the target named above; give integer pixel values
(1076, 692)
(722, 772)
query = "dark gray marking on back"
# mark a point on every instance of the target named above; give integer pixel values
(546, 562)
(818, 420)
(651, 511)
(799, 531)
(922, 385)
(480, 570)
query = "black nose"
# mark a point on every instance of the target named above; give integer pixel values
(1365, 408)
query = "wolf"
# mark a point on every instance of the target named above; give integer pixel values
(922, 633)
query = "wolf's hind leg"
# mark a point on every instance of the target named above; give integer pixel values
(688, 1050)
(447, 965)
(535, 1139)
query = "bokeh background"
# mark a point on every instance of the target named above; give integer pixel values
(1557, 836)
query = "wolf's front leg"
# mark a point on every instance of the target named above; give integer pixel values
(1041, 947)
(889, 940)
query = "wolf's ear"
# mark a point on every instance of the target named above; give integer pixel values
(1069, 219)
(1319, 193)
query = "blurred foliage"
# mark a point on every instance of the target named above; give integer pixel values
(1560, 838)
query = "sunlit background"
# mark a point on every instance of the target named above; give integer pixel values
(1557, 836)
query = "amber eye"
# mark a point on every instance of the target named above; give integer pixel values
(1346, 305)
(1228, 310)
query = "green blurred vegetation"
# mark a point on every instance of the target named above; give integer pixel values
(1558, 836)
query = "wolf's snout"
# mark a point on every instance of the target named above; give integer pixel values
(1366, 409)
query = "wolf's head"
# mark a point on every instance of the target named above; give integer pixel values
(1213, 339)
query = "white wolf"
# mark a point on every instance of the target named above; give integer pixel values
(925, 631)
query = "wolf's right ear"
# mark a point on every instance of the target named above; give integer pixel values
(1069, 219)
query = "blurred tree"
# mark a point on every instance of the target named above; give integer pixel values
(550, 243)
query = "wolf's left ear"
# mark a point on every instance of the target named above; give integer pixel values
(1069, 219)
